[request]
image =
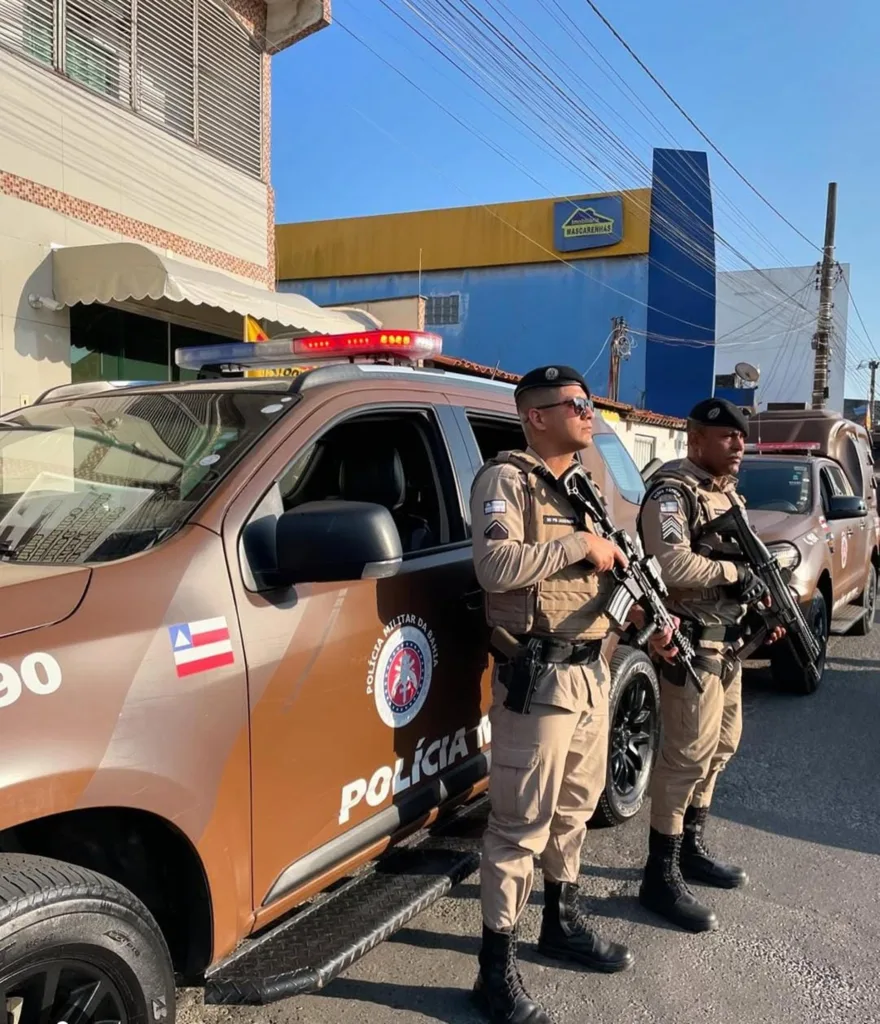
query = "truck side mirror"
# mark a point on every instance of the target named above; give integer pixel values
(336, 541)
(846, 506)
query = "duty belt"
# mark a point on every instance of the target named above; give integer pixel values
(696, 632)
(563, 652)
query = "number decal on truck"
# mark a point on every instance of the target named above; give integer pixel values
(38, 673)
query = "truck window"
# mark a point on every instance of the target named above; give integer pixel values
(396, 459)
(100, 477)
(837, 480)
(783, 486)
(497, 435)
(621, 466)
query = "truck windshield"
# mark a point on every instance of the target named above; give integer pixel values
(776, 486)
(101, 477)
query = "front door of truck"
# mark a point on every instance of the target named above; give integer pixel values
(849, 538)
(365, 694)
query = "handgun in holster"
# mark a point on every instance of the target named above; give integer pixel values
(519, 668)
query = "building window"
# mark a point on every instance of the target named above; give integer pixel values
(441, 310)
(644, 448)
(185, 65)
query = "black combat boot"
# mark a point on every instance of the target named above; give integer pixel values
(499, 991)
(663, 889)
(566, 934)
(697, 864)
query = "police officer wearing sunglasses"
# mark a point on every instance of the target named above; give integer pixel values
(546, 580)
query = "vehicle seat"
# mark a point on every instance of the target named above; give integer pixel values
(377, 476)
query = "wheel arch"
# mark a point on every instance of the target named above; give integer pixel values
(143, 852)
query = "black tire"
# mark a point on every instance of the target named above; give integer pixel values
(88, 939)
(784, 668)
(634, 711)
(868, 601)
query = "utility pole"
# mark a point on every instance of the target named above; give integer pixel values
(869, 415)
(822, 337)
(620, 349)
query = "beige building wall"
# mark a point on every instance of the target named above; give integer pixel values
(645, 441)
(77, 170)
(407, 313)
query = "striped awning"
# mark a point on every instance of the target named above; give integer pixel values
(126, 271)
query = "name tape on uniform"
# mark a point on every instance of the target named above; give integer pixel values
(665, 494)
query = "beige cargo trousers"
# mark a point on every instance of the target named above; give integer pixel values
(547, 775)
(700, 733)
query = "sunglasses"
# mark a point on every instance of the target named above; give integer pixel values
(580, 406)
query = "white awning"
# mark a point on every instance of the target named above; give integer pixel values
(122, 271)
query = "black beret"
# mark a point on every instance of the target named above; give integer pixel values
(718, 412)
(551, 377)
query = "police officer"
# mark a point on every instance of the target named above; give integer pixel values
(546, 579)
(711, 594)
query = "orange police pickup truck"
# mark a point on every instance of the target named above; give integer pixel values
(243, 672)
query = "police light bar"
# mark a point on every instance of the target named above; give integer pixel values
(795, 447)
(408, 345)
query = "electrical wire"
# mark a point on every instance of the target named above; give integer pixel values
(694, 124)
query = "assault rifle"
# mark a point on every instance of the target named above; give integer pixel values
(641, 582)
(734, 526)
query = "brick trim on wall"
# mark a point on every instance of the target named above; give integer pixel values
(252, 14)
(137, 230)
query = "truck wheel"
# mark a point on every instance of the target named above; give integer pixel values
(868, 601)
(783, 665)
(78, 947)
(634, 719)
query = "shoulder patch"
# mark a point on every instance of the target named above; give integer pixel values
(497, 506)
(670, 529)
(496, 531)
(560, 520)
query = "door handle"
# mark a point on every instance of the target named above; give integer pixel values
(473, 600)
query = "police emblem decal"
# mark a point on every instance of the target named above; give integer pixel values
(400, 671)
(551, 373)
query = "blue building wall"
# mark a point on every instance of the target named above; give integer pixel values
(680, 357)
(525, 315)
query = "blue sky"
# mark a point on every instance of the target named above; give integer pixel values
(791, 102)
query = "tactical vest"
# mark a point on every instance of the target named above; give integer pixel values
(702, 506)
(569, 604)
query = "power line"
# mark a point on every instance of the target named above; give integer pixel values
(693, 123)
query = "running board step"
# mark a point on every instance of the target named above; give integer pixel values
(305, 953)
(845, 618)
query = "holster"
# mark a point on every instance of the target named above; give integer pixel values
(521, 661)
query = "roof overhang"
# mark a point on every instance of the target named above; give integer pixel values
(124, 271)
(288, 21)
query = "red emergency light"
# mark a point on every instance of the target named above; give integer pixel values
(775, 447)
(411, 344)
(315, 348)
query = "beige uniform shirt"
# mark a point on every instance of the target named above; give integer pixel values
(536, 586)
(503, 559)
(695, 581)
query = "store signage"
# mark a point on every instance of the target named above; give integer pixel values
(587, 223)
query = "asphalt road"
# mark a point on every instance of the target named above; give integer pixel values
(799, 807)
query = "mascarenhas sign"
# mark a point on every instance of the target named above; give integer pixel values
(587, 223)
